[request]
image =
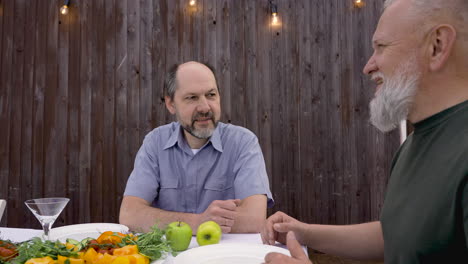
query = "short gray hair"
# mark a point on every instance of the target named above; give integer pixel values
(170, 82)
(430, 10)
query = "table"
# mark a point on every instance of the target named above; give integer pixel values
(23, 234)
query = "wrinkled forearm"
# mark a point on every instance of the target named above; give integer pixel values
(251, 215)
(360, 242)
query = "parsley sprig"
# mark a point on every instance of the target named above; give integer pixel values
(152, 244)
(36, 248)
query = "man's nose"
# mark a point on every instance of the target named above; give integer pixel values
(203, 105)
(370, 67)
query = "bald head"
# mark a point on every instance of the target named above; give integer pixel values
(190, 71)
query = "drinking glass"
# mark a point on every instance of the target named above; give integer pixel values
(46, 211)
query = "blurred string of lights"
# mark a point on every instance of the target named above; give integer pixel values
(274, 13)
(64, 8)
(359, 3)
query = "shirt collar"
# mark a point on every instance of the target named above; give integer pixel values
(178, 137)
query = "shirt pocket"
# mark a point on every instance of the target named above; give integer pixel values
(171, 182)
(219, 184)
(168, 198)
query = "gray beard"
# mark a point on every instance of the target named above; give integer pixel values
(394, 100)
(200, 133)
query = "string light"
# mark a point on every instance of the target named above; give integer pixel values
(192, 2)
(359, 3)
(274, 13)
(64, 8)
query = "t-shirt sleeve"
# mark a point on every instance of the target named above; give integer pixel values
(144, 179)
(251, 176)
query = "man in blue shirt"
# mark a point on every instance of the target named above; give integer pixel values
(197, 169)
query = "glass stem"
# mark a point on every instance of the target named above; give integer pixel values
(46, 227)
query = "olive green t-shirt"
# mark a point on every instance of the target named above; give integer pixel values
(425, 215)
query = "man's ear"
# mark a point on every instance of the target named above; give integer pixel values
(442, 40)
(169, 104)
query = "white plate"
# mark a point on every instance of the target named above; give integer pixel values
(82, 231)
(227, 254)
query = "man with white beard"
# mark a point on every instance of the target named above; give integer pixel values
(420, 65)
(197, 169)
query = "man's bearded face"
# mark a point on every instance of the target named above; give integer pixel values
(393, 100)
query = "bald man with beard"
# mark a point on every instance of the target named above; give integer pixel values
(420, 66)
(197, 169)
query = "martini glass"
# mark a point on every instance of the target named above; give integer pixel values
(46, 211)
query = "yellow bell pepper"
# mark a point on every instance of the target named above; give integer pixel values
(90, 255)
(62, 260)
(138, 259)
(127, 250)
(106, 259)
(121, 260)
(44, 260)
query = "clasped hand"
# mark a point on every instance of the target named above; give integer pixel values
(222, 212)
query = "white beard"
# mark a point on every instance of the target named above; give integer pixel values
(394, 100)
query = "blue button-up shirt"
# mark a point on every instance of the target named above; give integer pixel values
(170, 176)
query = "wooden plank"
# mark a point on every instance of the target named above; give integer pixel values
(86, 68)
(74, 187)
(6, 101)
(185, 22)
(306, 107)
(265, 87)
(110, 208)
(28, 101)
(223, 58)
(17, 67)
(210, 22)
(197, 32)
(146, 68)
(40, 37)
(52, 144)
(251, 72)
(61, 125)
(97, 197)
(238, 66)
(279, 126)
(133, 88)
(159, 51)
(121, 61)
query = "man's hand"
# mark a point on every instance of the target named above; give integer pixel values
(277, 226)
(297, 253)
(222, 212)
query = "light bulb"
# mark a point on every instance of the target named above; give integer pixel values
(192, 2)
(64, 10)
(274, 20)
(359, 3)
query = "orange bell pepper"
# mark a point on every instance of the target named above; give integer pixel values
(110, 237)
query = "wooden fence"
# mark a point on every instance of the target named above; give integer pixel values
(78, 93)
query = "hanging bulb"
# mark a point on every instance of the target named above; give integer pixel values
(192, 2)
(64, 10)
(359, 3)
(274, 20)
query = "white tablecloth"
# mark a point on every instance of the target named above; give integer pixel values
(22, 234)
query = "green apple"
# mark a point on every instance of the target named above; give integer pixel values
(208, 233)
(179, 235)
